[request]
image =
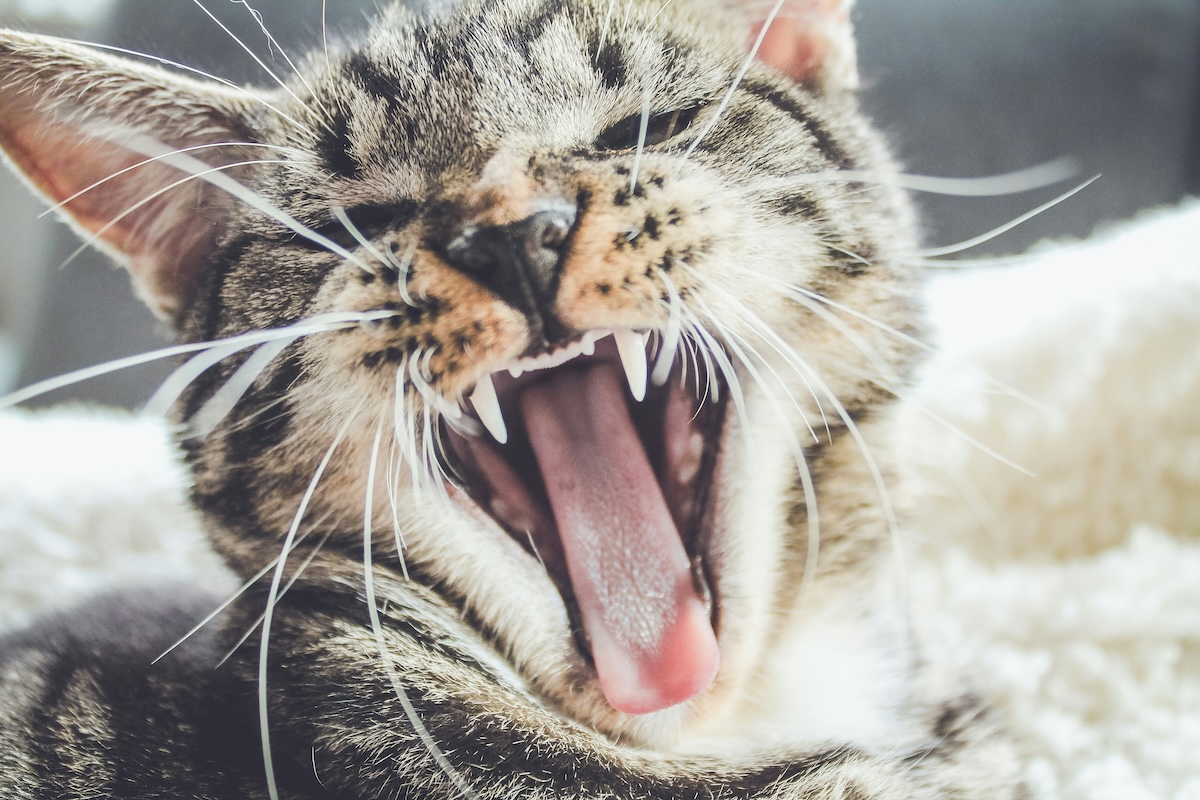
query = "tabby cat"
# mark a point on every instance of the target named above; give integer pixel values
(538, 364)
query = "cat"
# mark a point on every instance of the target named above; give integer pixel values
(539, 363)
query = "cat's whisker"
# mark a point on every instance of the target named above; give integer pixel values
(97, 235)
(786, 351)
(985, 262)
(813, 378)
(295, 576)
(713, 347)
(320, 323)
(891, 380)
(325, 29)
(273, 596)
(431, 465)
(340, 214)
(149, 146)
(405, 430)
(250, 52)
(808, 487)
(272, 42)
(175, 385)
(1023, 180)
(992, 234)
(60, 205)
(393, 487)
(671, 336)
(661, 9)
(385, 657)
(641, 143)
(232, 598)
(198, 72)
(796, 291)
(955, 429)
(217, 407)
(402, 268)
(737, 80)
(1000, 386)
(612, 5)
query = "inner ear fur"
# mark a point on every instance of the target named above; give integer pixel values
(74, 123)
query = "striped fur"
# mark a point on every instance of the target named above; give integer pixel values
(474, 116)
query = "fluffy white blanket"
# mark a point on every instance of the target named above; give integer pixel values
(1056, 442)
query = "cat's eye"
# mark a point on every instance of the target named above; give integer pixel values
(660, 128)
(367, 221)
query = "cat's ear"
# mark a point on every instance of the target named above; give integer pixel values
(79, 124)
(811, 41)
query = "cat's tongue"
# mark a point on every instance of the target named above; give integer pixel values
(652, 641)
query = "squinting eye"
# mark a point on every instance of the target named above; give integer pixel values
(660, 128)
(368, 221)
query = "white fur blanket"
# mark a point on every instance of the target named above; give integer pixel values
(1068, 587)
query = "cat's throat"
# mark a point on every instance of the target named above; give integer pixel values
(652, 642)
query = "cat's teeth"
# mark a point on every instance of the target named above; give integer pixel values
(589, 342)
(516, 372)
(632, 349)
(487, 408)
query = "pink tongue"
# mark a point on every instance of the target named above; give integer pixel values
(651, 638)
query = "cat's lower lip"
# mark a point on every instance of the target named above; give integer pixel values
(676, 434)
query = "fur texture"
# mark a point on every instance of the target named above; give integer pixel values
(468, 194)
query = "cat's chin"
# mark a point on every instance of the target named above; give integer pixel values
(604, 475)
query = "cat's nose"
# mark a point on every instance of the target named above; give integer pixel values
(520, 262)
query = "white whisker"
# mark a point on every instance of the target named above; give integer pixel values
(223, 401)
(319, 323)
(273, 596)
(240, 591)
(214, 353)
(202, 175)
(201, 73)
(393, 478)
(325, 29)
(295, 576)
(737, 81)
(402, 267)
(670, 339)
(385, 657)
(149, 146)
(1008, 226)
(272, 42)
(812, 515)
(282, 84)
(340, 214)
(641, 144)
(1022, 180)
(138, 165)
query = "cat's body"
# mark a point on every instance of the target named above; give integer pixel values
(627, 598)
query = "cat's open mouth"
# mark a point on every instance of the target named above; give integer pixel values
(609, 492)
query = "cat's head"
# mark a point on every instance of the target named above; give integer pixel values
(558, 290)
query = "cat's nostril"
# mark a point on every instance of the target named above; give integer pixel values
(542, 236)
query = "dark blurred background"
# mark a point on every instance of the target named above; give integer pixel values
(961, 89)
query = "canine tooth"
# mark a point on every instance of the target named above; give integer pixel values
(632, 349)
(589, 344)
(515, 371)
(487, 406)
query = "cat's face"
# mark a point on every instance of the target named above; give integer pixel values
(594, 335)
